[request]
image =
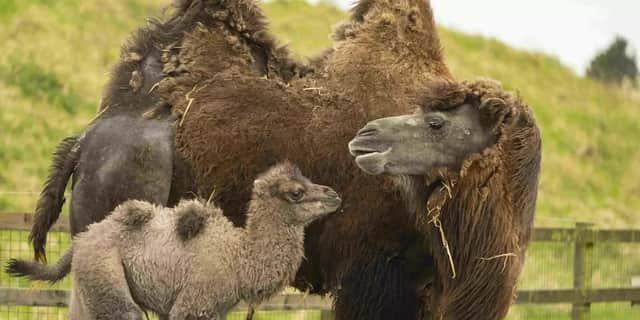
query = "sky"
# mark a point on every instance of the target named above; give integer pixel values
(572, 30)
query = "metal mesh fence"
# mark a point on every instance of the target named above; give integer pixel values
(549, 265)
(14, 244)
(615, 264)
(540, 312)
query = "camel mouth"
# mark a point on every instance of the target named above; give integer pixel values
(362, 151)
(358, 153)
(371, 162)
(333, 205)
(327, 206)
(362, 146)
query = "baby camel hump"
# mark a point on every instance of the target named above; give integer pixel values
(161, 263)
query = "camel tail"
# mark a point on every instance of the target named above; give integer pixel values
(52, 198)
(34, 270)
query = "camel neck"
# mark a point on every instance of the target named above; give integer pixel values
(272, 252)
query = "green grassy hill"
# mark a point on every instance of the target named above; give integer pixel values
(56, 55)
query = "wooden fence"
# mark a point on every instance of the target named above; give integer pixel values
(584, 236)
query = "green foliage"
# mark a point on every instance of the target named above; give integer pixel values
(34, 81)
(614, 64)
(304, 27)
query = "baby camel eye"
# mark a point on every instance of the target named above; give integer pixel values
(295, 195)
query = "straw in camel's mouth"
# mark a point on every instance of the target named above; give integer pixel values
(432, 187)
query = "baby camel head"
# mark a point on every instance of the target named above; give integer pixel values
(299, 201)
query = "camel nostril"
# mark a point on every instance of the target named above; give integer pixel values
(367, 131)
(329, 192)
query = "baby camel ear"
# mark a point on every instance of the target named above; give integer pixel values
(260, 186)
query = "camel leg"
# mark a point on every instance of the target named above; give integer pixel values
(192, 305)
(377, 289)
(185, 314)
(75, 306)
(101, 288)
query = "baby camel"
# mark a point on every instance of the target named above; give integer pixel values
(190, 262)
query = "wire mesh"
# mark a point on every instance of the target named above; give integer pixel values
(549, 265)
(14, 244)
(540, 312)
(615, 264)
(278, 315)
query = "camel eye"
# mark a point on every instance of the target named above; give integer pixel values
(435, 123)
(295, 196)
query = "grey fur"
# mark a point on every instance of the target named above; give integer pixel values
(34, 270)
(135, 214)
(190, 223)
(119, 271)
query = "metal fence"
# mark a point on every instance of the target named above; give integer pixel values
(570, 273)
(580, 273)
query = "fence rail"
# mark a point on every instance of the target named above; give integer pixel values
(60, 298)
(12, 221)
(23, 221)
(584, 236)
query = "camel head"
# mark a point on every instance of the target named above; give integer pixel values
(451, 122)
(482, 146)
(301, 201)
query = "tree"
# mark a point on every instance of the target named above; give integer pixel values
(614, 64)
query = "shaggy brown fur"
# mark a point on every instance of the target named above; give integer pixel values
(490, 204)
(236, 29)
(235, 126)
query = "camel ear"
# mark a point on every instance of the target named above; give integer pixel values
(260, 186)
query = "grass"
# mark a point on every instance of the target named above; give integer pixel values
(34, 81)
(57, 54)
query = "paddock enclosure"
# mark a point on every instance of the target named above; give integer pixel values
(578, 272)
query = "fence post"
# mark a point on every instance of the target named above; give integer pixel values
(583, 269)
(635, 283)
